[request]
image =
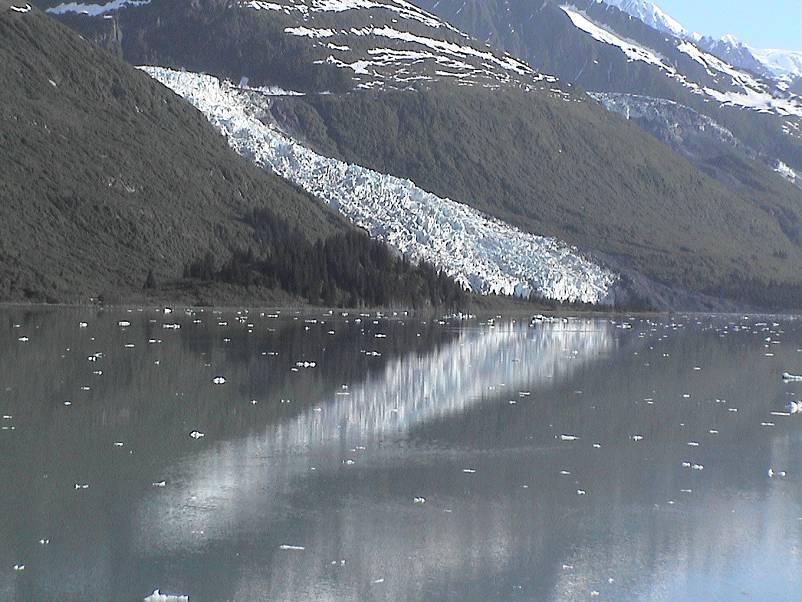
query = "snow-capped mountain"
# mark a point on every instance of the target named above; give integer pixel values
(388, 44)
(650, 14)
(632, 47)
(782, 63)
(766, 62)
(485, 255)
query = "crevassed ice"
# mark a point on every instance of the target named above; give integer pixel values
(483, 254)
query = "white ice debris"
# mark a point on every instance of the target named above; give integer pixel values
(483, 254)
(158, 596)
(94, 10)
(785, 171)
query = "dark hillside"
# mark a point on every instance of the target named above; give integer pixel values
(109, 182)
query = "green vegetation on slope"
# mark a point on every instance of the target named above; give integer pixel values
(109, 181)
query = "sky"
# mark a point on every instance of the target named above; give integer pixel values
(759, 23)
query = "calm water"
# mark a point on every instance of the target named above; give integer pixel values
(397, 459)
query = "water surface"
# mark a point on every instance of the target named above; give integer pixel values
(349, 458)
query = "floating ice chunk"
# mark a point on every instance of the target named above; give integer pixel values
(197, 435)
(158, 596)
(94, 10)
(219, 380)
(291, 548)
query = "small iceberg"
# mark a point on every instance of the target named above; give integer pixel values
(158, 596)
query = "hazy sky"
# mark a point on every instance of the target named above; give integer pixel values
(759, 23)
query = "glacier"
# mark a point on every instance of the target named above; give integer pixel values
(484, 254)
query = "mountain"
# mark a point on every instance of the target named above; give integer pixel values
(650, 14)
(736, 53)
(774, 64)
(110, 183)
(391, 93)
(781, 63)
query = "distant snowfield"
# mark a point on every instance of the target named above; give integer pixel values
(483, 254)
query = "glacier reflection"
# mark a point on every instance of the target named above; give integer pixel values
(232, 483)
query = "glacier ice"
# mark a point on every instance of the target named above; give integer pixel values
(483, 254)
